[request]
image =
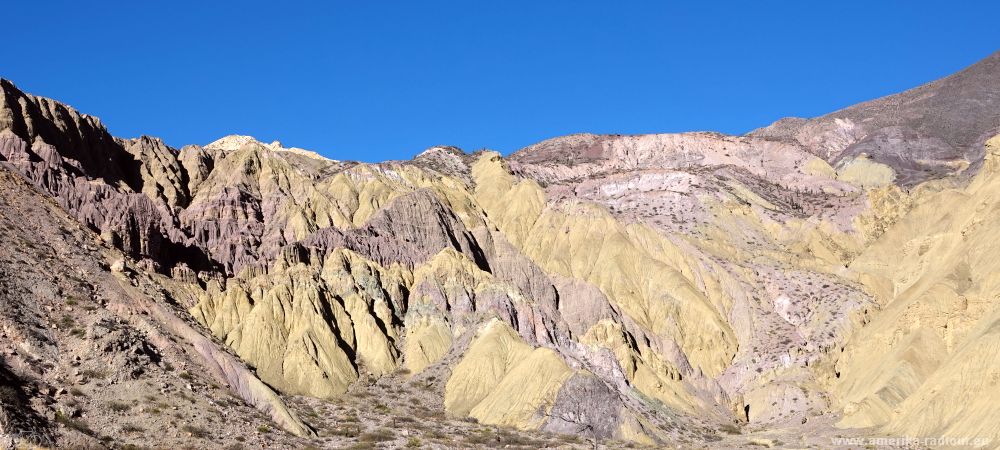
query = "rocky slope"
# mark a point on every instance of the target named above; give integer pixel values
(936, 339)
(922, 134)
(82, 337)
(815, 278)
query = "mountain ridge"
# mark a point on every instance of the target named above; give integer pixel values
(682, 284)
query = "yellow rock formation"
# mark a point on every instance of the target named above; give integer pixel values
(582, 241)
(863, 172)
(504, 381)
(300, 324)
(926, 365)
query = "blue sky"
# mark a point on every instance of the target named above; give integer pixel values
(375, 80)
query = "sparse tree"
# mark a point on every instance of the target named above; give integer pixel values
(585, 406)
(577, 416)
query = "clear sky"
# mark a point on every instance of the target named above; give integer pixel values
(374, 80)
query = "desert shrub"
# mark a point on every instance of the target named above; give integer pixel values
(92, 373)
(730, 429)
(196, 431)
(74, 424)
(380, 435)
(362, 446)
(117, 406)
(350, 431)
(131, 428)
(8, 394)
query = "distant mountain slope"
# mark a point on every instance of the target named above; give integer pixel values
(922, 133)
